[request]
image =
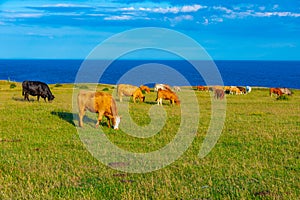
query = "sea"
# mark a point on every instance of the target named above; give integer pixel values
(149, 72)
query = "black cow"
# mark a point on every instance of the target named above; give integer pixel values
(36, 88)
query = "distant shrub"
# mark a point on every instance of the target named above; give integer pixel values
(105, 89)
(13, 85)
(283, 97)
(82, 86)
(58, 85)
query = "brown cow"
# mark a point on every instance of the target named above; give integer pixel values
(276, 91)
(130, 90)
(145, 88)
(242, 89)
(101, 103)
(167, 95)
(202, 88)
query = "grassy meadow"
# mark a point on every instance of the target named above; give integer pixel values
(256, 157)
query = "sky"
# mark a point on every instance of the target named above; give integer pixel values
(227, 30)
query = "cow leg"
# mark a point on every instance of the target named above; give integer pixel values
(120, 97)
(100, 115)
(108, 121)
(26, 96)
(172, 101)
(38, 97)
(81, 114)
(134, 98)
(159, 101)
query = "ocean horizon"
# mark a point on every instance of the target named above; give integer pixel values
(233, 72)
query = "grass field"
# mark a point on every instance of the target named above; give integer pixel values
(256, 157)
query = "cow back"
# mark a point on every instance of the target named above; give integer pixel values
(126, 89)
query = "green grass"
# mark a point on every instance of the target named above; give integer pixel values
(256, 157)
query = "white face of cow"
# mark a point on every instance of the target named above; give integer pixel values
(118, 120)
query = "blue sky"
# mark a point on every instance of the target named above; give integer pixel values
(244, 30)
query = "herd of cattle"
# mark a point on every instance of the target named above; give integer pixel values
(104, 104)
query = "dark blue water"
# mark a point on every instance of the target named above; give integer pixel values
(252, 73)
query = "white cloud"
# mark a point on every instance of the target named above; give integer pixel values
(224, 9)
(165, 10)
(122, 17)
(24, 15)
(64, 5)
(206, 21)
(128, 9)
(193, 8)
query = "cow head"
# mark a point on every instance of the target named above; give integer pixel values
(117, 121)
(50, 97)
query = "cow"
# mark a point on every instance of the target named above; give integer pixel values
(219, 93)
(227, 89)
(235, 90)
(101, 103)
(36, 88)
(286, 91)
(167, 95)
(145, 88)
(242, 89)
(202, 88)
(177, 88)
(161, 86)
(276, 91)
(130, 90)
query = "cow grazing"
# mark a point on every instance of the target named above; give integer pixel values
(36, 88)
(145, 88)
(130, 90)
(167, 95)
(276, 91)
(101, 103)
(161, 86)
(202, 88)
(219, 94)
(177, 88)
(242, 89)
(235, 90)
(286, 91)
(227, 89)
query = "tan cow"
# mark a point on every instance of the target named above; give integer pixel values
(235, 90)
(130, 90)
(101, 103)
(167, 95)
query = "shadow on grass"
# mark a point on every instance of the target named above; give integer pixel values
(70, 117)
(22, 99)
(67, 116)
